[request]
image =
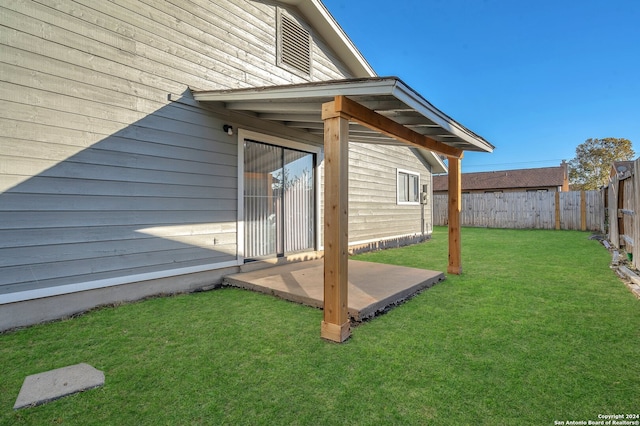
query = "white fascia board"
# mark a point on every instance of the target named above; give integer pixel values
(434, 160)
(318, 90)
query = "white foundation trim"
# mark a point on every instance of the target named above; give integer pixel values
(21, 296)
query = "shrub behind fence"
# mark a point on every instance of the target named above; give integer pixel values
(575, 210)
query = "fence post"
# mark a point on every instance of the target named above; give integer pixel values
(583, 211)
(557, 210)
(636, 214)
(614, 232)
(604, 224)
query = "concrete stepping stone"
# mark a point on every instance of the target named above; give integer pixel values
(48, 386)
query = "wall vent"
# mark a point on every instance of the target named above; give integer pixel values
(294, 47)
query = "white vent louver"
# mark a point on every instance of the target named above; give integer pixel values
(295, 45)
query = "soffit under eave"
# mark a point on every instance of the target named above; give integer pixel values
(299, 106)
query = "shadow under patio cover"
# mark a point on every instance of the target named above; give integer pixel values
(378, 110)
(300, 106)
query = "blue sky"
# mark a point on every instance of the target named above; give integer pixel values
(536, 79)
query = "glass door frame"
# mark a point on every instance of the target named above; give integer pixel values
(247, 135)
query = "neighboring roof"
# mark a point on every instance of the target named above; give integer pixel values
(506, 179)
(300, 106)
(329, 29)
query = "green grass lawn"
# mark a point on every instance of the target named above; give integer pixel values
(537, 329)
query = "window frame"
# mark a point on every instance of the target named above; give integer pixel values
(400, 176)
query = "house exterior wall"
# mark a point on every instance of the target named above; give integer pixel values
(105, 180)
(373, 210)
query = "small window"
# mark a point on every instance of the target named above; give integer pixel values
(408, 187)
(294, 45)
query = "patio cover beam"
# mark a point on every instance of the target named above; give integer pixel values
(387, 126)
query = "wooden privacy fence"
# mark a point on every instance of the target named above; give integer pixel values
(622, 201)
(574, 210)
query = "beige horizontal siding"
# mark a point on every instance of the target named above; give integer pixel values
(100, 175)
(373, 209)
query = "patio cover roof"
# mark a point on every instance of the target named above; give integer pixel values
(300, 106)
(369, 110)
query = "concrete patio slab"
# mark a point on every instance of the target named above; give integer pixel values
(48, 386)
(373, 287)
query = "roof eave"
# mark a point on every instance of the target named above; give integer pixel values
(383, 86)
(419, 103)
(434, 160)
(329, 89)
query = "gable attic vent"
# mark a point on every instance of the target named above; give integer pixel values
(294, 45)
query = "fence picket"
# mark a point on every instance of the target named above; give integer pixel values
(525, 210)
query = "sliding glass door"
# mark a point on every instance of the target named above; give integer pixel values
(279, 200)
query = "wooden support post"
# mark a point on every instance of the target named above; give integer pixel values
(583, 210)
(455, 207)
(557, 210)
(335, 324)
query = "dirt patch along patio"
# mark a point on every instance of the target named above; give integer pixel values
(373, 287)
